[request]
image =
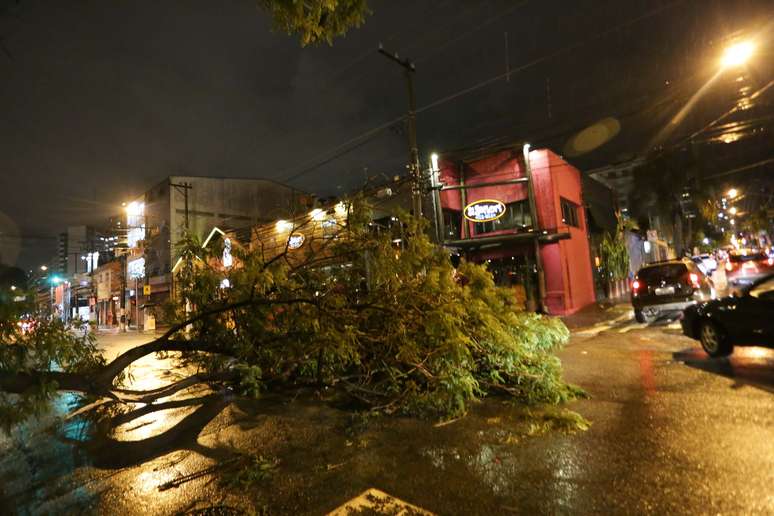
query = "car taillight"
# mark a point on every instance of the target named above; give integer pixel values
(635, 285)
(694, 279)
(729, 266)
(770, 261)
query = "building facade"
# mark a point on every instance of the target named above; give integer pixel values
(522, 213)
(157, 220)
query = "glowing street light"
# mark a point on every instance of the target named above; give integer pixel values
(732, 193)
(134, 209)
(732, 210)
(13, 287)
(43, 268)
(737, 54)
(434, 162)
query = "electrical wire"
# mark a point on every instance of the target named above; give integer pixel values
(328, 156)
(547, 57)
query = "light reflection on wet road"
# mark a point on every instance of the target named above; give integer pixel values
(672, 432)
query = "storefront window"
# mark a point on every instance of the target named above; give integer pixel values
(518, 273)
(517, 216)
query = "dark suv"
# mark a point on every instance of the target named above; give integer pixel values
(666, 288)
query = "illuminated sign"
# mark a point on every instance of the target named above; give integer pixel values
(484, 210)
(295, 241)
(136, 268)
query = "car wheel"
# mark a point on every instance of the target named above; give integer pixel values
(714, 341)
(639, 316)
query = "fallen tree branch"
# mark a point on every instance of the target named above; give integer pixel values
(134, 396)
(20, 382)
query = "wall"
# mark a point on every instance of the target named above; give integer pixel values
(79, 241)
(501, 166)
(567, 263)
(230, 203)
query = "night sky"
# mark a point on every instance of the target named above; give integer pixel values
(101, 99)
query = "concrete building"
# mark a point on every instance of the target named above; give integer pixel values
(619, 178)
(79, 250)
(157, 220)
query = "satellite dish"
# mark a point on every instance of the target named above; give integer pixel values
(592, 137)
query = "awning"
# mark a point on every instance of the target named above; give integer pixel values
(544, 237)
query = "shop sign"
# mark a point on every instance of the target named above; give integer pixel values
(484, 210)
(136, 268)
(295, 240)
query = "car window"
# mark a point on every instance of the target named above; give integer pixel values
(668, 271)
(764, 290)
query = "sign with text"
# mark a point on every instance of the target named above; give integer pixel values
(484, 210)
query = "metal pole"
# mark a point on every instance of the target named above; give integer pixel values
(185, 197)
(136, 305)
(122, 316)
(416, 172)
(435, 183)
(536, 227)
(414, 168)
(464, 202)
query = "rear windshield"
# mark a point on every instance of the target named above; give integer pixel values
(668, 271)
(747, 257)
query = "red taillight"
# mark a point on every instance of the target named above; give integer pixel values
(694, 279)
(635, 285)
(770, 261)
(729, 266)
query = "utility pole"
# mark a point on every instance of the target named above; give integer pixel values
(183, 188)
(414, 168)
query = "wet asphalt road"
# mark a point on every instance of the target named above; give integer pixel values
(673, 432)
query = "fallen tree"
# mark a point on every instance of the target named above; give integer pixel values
(377, 312)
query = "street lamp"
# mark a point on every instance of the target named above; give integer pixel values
(732, 210)
(737, 54)
(43, 268)
(732, 193)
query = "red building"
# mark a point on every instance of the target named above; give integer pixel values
(526, 219)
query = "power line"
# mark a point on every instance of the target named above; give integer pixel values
(730, 112)
(498, 17)
(328, 156)
(342, 149)
(742, 169)
(547, 57)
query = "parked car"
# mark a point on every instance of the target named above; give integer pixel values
(745, 266)
(744, 319)
(666, 288)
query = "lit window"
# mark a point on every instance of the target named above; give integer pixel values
(517, 216)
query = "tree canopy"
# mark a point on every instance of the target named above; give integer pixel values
(376, 313)
(316, 21)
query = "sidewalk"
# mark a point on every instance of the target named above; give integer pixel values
(599, 312)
